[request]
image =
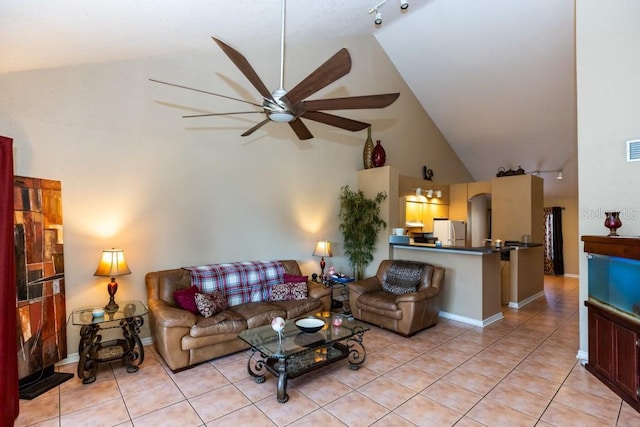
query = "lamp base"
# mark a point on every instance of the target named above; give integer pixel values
(112, 288)
(112, 307)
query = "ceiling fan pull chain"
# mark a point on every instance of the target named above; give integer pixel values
(284, 7)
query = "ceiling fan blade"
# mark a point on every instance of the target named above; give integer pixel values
(351, 102)
(300, 129)
(334, 68)
(337, 121)
(220, 114)
(245, 68)
(256, 127)
(204, 91)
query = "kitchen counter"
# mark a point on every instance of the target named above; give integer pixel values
(474, 287)
(479, 250)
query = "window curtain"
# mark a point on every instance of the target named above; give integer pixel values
(553, 246)
(10, 401)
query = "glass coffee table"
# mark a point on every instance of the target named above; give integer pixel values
(293, 353)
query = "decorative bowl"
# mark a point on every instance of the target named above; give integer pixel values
(97, 312)
(310, 325)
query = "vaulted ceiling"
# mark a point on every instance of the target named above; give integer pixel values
(496, 76)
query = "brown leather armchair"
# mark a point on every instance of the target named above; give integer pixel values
(405, 314)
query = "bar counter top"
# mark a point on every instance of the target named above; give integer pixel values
(477, 250)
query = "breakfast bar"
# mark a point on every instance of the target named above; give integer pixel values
(472, 286)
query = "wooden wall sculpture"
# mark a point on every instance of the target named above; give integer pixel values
(38, 237)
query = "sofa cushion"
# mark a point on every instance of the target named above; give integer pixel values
(240, 282)
(258, 313)
(210, 304)
(297, 308)
(289, 291)
(403, 277)
(225, 322)
(380, 302)
(186, 298)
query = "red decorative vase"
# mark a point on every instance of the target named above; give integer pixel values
(379, 155)
(612, 222)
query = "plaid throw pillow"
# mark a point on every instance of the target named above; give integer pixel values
(289, 291)
(210, 304)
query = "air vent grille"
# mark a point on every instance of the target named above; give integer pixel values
(633, 151)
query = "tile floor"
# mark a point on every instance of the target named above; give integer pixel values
(520, 371)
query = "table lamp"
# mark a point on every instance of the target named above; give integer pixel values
(112, 264)
(323, 249)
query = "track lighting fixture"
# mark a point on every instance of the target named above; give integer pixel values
(422, 194)
(404, 4)
(559, 174)
(376, 10)
(378, 19)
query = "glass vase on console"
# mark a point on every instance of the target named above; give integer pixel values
(612, 222)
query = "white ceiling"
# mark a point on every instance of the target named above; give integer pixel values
(496, 76)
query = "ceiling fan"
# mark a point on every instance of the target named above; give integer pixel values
(282, 106)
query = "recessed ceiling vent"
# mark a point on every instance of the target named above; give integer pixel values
(633, 151)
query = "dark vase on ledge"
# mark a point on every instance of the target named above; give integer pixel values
(612, 222)
(379, 155)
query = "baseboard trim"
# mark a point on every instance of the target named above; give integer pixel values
(74, 357)
(583, 356)
(575, 276)
(470, 321)
(518, 305)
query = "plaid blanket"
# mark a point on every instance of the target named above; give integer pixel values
(240, 282)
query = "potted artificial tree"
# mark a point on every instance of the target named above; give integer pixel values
(360, 223)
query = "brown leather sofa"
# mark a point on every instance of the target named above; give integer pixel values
(184, 339)
(405, 314)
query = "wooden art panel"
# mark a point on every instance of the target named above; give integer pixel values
(41, 313)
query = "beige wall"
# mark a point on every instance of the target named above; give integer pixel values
(608, 89)
(517, 208)
(175, 192)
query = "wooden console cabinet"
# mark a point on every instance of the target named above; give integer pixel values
(614, 335)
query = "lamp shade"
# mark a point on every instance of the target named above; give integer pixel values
(323, 248)
(112, 264)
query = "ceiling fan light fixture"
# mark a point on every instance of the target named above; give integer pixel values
(281, 117)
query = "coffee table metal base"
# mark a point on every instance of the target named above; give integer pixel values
(295, 365)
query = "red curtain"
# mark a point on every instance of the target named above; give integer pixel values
(10, 401)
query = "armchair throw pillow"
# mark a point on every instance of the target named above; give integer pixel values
(210, 304)
(403, 277)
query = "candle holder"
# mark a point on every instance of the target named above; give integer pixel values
(612, 222)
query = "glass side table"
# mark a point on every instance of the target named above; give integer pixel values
(93, 351)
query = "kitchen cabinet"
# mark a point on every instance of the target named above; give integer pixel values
(613, 352)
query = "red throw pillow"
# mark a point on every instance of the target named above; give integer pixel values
(210, 304)
(289, 291)
(186, 298)
(293, 278)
